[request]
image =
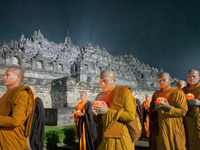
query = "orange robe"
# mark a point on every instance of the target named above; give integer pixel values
(82, 142)
(192, 120)
(121, 109)
(16, 113)
(145, 114)
(85, 126)
(166, 128)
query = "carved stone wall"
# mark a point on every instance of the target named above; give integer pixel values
(65, 92)
(61, 71)
(59, 116)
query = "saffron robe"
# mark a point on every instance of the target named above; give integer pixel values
(16, 113)
(38, 124)
(166, 128)
(121, 110)
(85, 126)
(146, 120)
(192, 120)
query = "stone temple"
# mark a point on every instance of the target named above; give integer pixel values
(61, 71)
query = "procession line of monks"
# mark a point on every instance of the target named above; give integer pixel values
(174, 124)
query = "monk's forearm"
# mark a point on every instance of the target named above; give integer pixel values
(9, 122)
(177, 112)
(180, 107)
(127, 116)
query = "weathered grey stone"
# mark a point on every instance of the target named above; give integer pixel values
(61, 71)
(51, 117)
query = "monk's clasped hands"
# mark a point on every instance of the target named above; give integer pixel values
(100, 109)
(162, 106)
(80, 114)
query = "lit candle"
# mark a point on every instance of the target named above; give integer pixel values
(190, 96)
(160, 100)
(78, 111)
(97, 103)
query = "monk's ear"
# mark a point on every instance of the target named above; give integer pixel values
(114, 79)
(170, 79)
(19, 77)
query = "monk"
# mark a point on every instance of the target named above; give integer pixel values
(145, 113)
(16, 111)
(120, 109)
(181, 84)
(192, 119)
(166, 123)
(85, 126)
(38, 124)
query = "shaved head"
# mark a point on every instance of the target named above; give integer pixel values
(164, 74)
(192, 71)
(18, 71)
(83, 96)
(13, 77)
(107, 80)
(181, 81)
(110, 73)
(181, 84)
(84, 93)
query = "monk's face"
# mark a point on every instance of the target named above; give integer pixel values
(10, 78)
(83, 96)
(164, 82)
(148, 97)
(107, 82)
(193, 77)
(181, 84)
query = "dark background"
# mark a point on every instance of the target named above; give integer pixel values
(164, 34)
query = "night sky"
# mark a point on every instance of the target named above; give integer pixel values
(164, 34)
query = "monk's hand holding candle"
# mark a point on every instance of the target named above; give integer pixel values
(101, 109)
(194, 102)
(80, 114)
(191, 99)
(165, 106)
(162, 103)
